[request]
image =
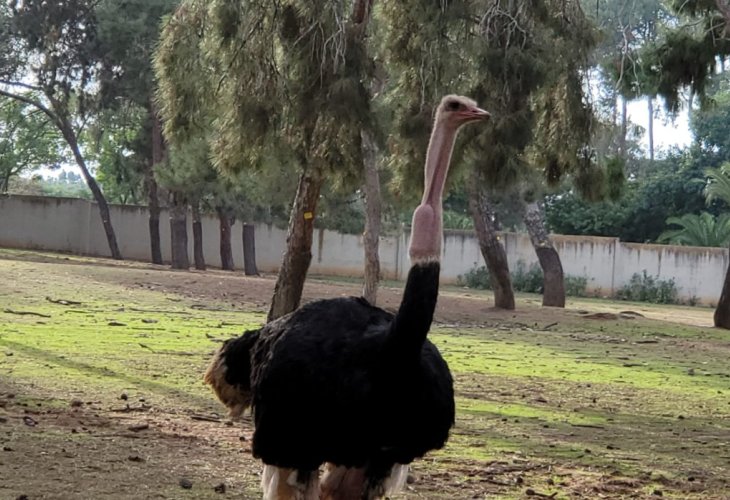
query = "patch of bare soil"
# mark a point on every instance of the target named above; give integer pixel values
(133, 450)
(93, 450)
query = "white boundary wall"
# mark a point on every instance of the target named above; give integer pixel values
(72, 225)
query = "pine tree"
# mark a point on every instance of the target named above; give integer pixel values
(286, 82)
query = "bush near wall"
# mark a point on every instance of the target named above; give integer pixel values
(641, 287)
(645, 288)
(524, 279)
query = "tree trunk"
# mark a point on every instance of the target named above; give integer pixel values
(106, 222)
(492, 250)
(361, 14)
(153, 205)
(153, 201)
(198, 255)
(722, 311)
(650, 130)
(249, 250)
(224, 220)
(553, 294)
(624, 128)
(298, 255)
(5, 183)
(361, 11)
(179, 232)
(371, 238)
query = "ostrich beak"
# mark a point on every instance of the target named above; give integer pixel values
(475, 114)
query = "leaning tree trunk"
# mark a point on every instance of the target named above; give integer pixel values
(198, 256)
(249, 250)
(226, 250)
(64, 125)
(106, 222)
(722, 312)
(298, 255)
(179, 232)
(153, 201)
(553, 294)
(371, 238)
(492, 250)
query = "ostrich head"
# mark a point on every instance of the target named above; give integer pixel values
(229, 373)
(426, 230)
(455, 111)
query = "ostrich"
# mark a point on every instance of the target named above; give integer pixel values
(346, 384)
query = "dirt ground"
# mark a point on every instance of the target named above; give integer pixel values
(94, 443)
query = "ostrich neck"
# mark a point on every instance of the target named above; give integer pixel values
(438, 158)
(415, 314)
(426, 229)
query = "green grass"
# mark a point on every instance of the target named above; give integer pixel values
(595, 396)
(585, 402)
(134, 341)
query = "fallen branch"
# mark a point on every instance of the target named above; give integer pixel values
(532, 493)
(63, 302)
(495, 482)
(201, 307)
(511, 468)
(117, 434)
(205, 418)
(157, 311)
(128, 409)
(26, 313)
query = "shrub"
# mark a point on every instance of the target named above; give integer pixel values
(523, 280)
(575, 286)
(527, 280)
(645, 288)
(476, 277)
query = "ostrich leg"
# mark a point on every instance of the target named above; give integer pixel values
(289, 484)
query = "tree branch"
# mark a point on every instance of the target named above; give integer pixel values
(724, 8)
(34, 88)
(33, 102)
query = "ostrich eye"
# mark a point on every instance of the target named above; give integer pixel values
(453, 106)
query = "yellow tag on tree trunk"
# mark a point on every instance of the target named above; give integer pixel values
(308, 215)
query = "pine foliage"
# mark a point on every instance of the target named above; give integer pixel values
(269, 79)
(688, 54)
(512, 56)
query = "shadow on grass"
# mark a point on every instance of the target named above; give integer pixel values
(88, 369)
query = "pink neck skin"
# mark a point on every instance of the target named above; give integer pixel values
(427, 226)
